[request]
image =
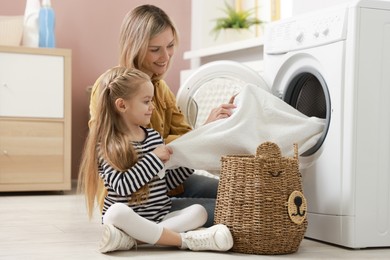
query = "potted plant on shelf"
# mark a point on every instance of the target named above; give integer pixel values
(236, 23)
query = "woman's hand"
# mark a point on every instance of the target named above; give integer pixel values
(223, 111)
(163, 152)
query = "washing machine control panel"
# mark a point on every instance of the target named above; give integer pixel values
(306, 31)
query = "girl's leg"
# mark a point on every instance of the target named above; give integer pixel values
(198, 189)
(121, 217)
(139, 228)
(169, 238)
(186, 219)
(124, 218)
(179, 203)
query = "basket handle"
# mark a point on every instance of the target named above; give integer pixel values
(271, 149)
(268, 149)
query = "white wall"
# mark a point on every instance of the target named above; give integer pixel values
(304, 6)
(203, 14)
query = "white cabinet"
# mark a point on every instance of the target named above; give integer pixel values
(35, 119)
(32, 85)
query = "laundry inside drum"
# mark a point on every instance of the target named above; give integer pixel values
(309, 94)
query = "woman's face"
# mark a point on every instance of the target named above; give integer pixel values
(158, 55)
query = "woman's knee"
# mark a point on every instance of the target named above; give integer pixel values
(199, 186)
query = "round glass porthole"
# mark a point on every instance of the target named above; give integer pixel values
(308, 93)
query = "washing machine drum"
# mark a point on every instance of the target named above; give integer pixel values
(308, 93)
(211, 85)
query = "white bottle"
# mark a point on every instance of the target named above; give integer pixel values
(46, 25)
(31, 24)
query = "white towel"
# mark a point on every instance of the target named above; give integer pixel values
(259, 116)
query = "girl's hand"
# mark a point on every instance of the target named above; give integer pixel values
(163, 152)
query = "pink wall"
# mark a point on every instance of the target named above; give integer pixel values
(90, 29)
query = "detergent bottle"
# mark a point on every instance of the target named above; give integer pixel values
(46, 25)
(30, 24)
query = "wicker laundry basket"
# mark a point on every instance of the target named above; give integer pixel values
(260, 199)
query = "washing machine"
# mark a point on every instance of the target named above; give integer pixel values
(335, 64)
(211, 85)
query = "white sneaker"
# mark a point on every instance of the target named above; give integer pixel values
(115, 239)
(216, 238)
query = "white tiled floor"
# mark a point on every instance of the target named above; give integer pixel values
(54, 226)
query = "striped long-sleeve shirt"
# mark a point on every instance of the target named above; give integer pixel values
(121, 185)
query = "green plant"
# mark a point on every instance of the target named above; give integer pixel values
(235, 19)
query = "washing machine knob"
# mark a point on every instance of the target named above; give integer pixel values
(325, 31)
(299, 37)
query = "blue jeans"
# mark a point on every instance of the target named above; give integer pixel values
(198, 189)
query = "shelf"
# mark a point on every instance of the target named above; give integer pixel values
(225, 48)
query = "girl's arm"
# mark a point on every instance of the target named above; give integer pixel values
(127, 182)
(177, 176)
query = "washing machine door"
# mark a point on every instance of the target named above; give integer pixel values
(300, 83)
(211, 85)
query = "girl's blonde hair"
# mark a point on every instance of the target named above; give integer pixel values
(108, 136)
(138, 27)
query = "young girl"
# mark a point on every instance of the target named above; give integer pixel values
(130, 158)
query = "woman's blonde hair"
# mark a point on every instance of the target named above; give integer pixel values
(108, 135)
(139, 26)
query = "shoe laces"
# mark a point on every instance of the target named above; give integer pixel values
(201, 239)
(124, 240)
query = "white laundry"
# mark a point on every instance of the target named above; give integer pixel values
(259, 116)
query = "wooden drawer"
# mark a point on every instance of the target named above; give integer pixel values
(31, 152)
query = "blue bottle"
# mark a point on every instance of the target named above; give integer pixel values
(46, 25)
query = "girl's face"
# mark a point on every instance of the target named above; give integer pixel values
(160, 50)
(138, 109)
